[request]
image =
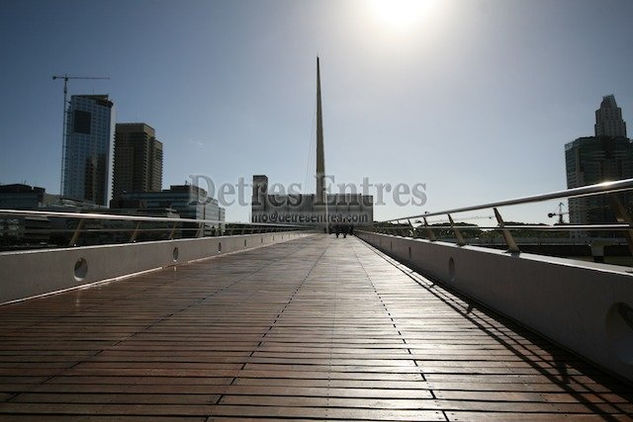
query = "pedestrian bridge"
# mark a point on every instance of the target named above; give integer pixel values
(313, 328)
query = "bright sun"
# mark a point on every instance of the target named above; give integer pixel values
(400, 13)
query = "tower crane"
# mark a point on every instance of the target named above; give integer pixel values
(560, 213)
(66, 77)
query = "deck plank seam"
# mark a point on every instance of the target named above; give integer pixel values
(237, 372)
(225, 392)
(420, 370)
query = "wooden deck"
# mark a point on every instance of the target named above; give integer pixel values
(312, 329)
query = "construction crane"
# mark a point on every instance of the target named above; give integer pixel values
(66, 77)
(560, 213)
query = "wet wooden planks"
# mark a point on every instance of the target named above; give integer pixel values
(313, 329)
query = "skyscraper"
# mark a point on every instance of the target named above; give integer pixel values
(87, 151)
(607, 156)
(609, 119)
(138, 159)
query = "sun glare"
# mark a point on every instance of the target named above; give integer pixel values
(400, 13)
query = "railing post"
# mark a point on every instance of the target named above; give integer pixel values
(75, 238)
(622, 216)
(135, 232)
(173, 232)
(402, 230)
(429, 230)
(512, 245)
(458, 234)
(200, 231)
(412, 228)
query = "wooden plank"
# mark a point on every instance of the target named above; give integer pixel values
(329, 413)
(128, 398)
(201, 379)
(98, 418)
(106, 409)
(546, 417)
(234, 389)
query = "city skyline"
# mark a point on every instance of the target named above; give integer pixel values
(426, 103)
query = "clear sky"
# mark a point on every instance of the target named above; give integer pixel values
(475, 98)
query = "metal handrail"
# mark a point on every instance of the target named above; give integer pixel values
(590, 190)
(625, 222)
(173, 225)
(535, 227)
(138, 218)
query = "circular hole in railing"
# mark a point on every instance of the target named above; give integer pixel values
(219, 247)
(409, 253)
(620, 331)
(451, 269)
(81, 269)
(174, 254)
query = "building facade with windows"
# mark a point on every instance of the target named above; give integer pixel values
(609, 120)
(87, 151)
(189, 201)
(606, 156)
(138, 159)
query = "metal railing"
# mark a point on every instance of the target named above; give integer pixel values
(120, 228)
(410, 225)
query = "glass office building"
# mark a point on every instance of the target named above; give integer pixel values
(189, 201)
(87, 154)
(606, 156)
(597, 159)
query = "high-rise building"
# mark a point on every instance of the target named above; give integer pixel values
(260, 192)
(138, 159)
(609, 120)
(607, 156)
(87, 151)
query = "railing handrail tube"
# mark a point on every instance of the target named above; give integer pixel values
(123, 217)
(563, 227)
(597, 189)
